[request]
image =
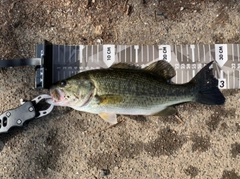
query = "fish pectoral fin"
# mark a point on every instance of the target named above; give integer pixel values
(110, 99)
(161, 68)
(166, 112)
(109, 117)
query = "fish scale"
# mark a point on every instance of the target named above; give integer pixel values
(137, 89)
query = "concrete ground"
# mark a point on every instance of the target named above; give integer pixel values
(69, 143)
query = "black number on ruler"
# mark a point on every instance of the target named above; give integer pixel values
(222, 83)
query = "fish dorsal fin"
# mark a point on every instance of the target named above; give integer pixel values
(161, 68)
(125, 66)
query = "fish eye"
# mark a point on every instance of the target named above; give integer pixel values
(63, 83)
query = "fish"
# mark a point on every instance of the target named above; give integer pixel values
(131, 90)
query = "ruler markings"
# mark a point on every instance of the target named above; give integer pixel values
(193, 73)
(64, 54)
(238, 78)
(136, 47)
(238, 52)
(71, 54)
(204, 52)
(58, 53)
(176, 76)
(228, 78)
(181, 53)
(210, 55)
(128, 54)
(87, 56)
(120, 53)
(98, 52)
(221, 73)
(80, 53)
(92, 53)
(131, 54)
(192, 47)
(176, 52)
(125, 53)
(140, 54)
(233, 79)
(70, 60)
(147, 53)
(182, 77)
(153, 52)
(198, 53)
(75, 57)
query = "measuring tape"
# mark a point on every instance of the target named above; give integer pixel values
(187, 60)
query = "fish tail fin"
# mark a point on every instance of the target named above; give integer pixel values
(207, 85)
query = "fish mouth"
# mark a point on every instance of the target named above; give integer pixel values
(56, 94)
(57, 97)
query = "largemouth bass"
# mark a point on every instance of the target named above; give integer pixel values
(130, 90)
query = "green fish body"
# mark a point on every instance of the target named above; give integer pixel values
(127, 89)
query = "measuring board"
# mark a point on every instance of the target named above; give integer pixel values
(187, 60)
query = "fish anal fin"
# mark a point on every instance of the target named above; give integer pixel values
(109, 117)
(162, 69)
(170, 110)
